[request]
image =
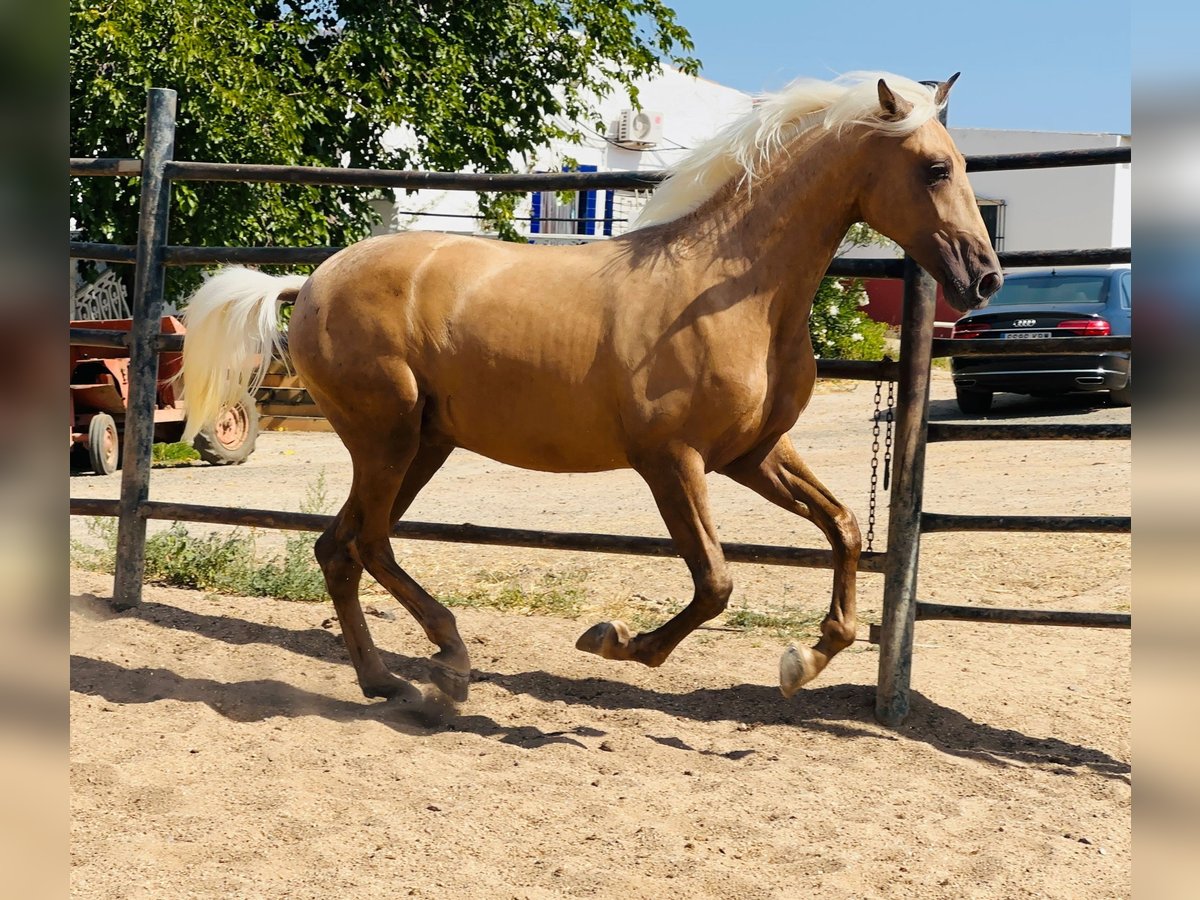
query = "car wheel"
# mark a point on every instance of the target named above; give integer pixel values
(230, 441)
(974, 403)
(1124, 396)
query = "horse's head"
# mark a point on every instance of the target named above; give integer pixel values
(916, 193)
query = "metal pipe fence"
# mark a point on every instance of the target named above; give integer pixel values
(907, 520)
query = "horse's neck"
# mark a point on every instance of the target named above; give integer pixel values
(776, 237)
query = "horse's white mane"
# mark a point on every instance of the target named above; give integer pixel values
(747, 146)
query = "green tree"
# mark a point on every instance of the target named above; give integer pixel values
(318, 82)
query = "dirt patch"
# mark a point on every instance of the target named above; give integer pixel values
(220, 747)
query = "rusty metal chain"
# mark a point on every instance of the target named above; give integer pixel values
(874, 468)
(889, 418)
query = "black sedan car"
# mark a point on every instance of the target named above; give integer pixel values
(1063, 303)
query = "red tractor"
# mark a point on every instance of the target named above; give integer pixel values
(100, 386)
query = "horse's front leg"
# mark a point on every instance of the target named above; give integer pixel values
(777, 473)
(677, 482)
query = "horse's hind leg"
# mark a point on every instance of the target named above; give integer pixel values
(679, 489)
(388, 489)
(343, 572)
(778, 473)
(339, 553)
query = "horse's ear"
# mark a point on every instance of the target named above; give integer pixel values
(894, 106)
(943, 89)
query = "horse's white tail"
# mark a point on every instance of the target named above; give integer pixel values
(232, 333)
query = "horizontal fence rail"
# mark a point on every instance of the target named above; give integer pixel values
(1049, 159)
(849, 369)
(1001, 616)
(467, 181)
(1104, 256)
(946, 431)
(842, 267)
(117, 253)
(933, 522)
(995, 615)
(507, 182)
(477, 534)
(859, 370)
(87, 166)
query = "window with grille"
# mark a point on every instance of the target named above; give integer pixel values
(604, 213)
(993, 220)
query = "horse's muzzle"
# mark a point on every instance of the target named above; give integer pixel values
(980, 291)
(971, 282)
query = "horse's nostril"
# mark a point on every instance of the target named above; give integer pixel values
(990, 283)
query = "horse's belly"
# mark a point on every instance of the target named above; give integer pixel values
(531, 433)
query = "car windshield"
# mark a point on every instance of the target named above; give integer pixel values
(1052, 289)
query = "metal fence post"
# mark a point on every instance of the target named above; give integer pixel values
(146, 306)
(908, 489)
(908, 482)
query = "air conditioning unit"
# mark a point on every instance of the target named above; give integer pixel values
(639, 130)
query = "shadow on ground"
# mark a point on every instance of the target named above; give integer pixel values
(1019, 406)
(842, 710)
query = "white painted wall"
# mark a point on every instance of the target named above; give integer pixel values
(1122, 234)
(1054, 209)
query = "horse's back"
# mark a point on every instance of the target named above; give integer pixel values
(504, 345)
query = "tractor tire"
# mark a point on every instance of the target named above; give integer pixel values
(230, 441)
(104, 444)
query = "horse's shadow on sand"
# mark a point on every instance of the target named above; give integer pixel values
(841, 710)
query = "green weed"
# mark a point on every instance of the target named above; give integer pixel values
(167, 455)
(227, 563)
(559, 594)
(784, 625)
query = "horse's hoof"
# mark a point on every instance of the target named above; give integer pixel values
(797, 667)
(392, 688)
(455, 685)
(607, 639)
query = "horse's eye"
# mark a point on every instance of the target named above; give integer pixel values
(939, 172)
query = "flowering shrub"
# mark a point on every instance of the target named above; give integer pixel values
(839, 327)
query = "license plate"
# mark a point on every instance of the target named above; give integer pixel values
(1026, 335)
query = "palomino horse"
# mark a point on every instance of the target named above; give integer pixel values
(678, 349)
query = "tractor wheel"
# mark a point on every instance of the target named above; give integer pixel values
(231, 440)
(104, 444)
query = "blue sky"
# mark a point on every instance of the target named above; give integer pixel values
(1054, 65)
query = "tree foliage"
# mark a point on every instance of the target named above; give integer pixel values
(479, 83)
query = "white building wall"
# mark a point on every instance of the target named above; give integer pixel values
(1122, 233)
(1053, 209)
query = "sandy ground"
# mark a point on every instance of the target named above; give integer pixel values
(220, 747)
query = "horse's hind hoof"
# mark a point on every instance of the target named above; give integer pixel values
(393, 688)
(607, 639)
(797, 667)
(455, 685)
